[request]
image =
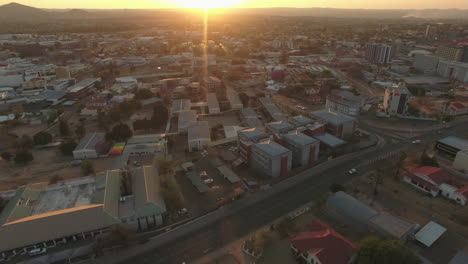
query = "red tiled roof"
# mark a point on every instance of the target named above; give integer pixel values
(458, 105)
(437, 175)
(422, 181)
(463, 191)
(324, 242)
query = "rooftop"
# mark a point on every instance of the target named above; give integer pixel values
(199, 130)
(333, 118)
(90, 140)
(300, 139)
(330, 140)
(180, 105)
(272, 148)
(349, 206)
(437, 175)
(300, 120)
(455, 142)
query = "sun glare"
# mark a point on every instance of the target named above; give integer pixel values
(207, 4)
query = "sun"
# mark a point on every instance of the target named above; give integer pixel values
(207, 4)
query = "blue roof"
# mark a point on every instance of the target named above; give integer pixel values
(330, 140)
(279, 125)
(272, 148)
(455, 142)
(251, 133)
(300, 139)
(459, 258)
(348, 206)
(301, 120)
(332, 117)
(248, 112)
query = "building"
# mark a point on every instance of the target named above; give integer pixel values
(185, 119)
(305, 149)
(347, 209)
(426, 63)
(62, 72)
(378, 53)
(198, 134)
(449, 147)
(437, 181)
(51, 96)
(180, 105)
(451, 53)
(271, 159)
(250, 118)
(88, 148)
(212, 84)
(345, 102)
(279, 128)
(339, 125)
(34, 84)
(455, 109)
(233, 99)
(246, 138)
(465, 54)
(453, 70)
(13, 81)
(83, 87)
(179, 92)
(213, 104)
(459, 258)
(396, 100)
(41, 216)
(272, 110)
(320, 244)
(461, 161)
(148, 144)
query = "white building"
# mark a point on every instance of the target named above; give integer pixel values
(149, 144)
(86, 149)
(345, 102)
(426, 63)
(453, 70)
(198, 135)
(396, 100)
(379, 53)
(213, 104)
(271, 159)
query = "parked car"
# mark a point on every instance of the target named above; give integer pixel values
(203, 174)
(136, 163)
(182, 211)
(417, 141)
(37, 251)
(208, 181)
(352, 171)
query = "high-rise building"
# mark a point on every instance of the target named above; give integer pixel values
(396, 100)
(379, 53)
(452, 53)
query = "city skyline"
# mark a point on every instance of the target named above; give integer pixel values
(158, 4)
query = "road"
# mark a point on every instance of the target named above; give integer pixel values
(197, 238)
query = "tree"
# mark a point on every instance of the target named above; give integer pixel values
(26, 142)
(244, 99)
(87, 167)
(23, 157)
(67, 147)
(428, 161)
(143, 94)
(285, 226)
(80, 130)
(64, 128)
(119, 132)
(164, 165)
(6, 156)
(160, 116)
(42, 138)
(373, 250)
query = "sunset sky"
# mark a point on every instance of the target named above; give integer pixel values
(369, 4)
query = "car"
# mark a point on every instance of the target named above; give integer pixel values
(417, 141)
(182, 211)
(300, 107)
(37, 251)
(352, 171)
(203, 174)
(75, 163)
(136, 163)
(208, 180)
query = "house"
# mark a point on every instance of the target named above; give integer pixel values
(198, 134)
(337, 124)
(320, 244)
(437, 181)
(88, 146)
(455, 109)
(448, 147)
(271, 159)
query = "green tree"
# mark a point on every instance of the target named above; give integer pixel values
(143, 94)
(80, 130)
(67, 147)
(87, 167)
(42, 138)
(64, 128)
(6, 156)
(119, 132)
(373, 250)
(23, 157)
(164, 165)
(160, 116)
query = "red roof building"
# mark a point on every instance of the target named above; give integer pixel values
(320, 244)
(437, 181)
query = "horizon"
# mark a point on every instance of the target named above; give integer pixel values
(233, 4)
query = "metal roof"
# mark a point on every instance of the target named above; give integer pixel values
(459, 258)
(300, 120)
(272, 109)
(271, 148)
(455, 142)
(147, 190)
(300, 139)
(348, 206)
(49, 95)
(181, 105)
(233, 98)
(228, 174)
(198, 130)
(248, 113)
(332, 117)
(146, 139)
(212, 102)
(430, 233)
(395, 226)
(90, 140)
(330, 140)
(186, 117)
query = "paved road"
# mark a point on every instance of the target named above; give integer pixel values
(193, 240)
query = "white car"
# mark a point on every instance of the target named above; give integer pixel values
(300, 107)
(182, 211)
(208, 180)
(37, 251)
(352, 171)
(417, 141)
